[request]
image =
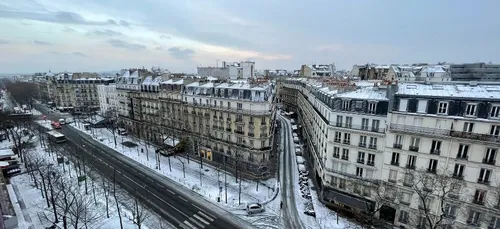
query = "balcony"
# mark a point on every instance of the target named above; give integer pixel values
(458, 176)
(251, 124)
(228, 129)
(193, 112)
(408, 166)
(462, 157)
(453, 196)
(419, 130)
(362, 144)
(475, 136)
(482, 181)
(435, 152)
(336, 155)
(359, 127)
(251, 134)
(239, 132)
(347, 142)
(397, 146)
(391, 180)
(372, 146)
(370, 163)
(478, 201)
(413, 148)
(345, 158)
(408, 183)
(361, 161)
(396, 163)
(431, 171)
(489, 161)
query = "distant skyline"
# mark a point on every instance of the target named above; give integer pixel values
(103, 35)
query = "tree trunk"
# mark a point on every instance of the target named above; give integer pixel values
(116, 199)
(44, 186)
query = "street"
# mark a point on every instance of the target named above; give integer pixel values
(291, 218)
(179, 206)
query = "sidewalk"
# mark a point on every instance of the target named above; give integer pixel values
(23, 216)
(208, 182)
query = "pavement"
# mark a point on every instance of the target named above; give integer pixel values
(291, 218)
(179, 206)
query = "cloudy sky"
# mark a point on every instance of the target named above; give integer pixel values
(98, 35)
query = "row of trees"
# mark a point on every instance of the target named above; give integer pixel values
(74, 192)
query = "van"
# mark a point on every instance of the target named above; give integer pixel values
(62, 121)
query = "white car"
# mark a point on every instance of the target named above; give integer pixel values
(62, 121)
(254, 208)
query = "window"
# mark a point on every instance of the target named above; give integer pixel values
(372, 108)
(495, 112)
(458, 172)
(369, 173)
(490, 156)
(494, 223)
(408, 181)
(362, 141)
(422, 106)
(343, 168)
(405, 197)
(450, 210)
(468, 127)
(442, 108)
(403, 104)
(345, 105)
(484, 176)
(435, 147)
(470, 110)
(479, 196)
(228, 104)
(359, 172)
(348, 122)
(361, 157)
(495, 130)
(432, 166)
(342, 184)
(395, 159)
(412, 159)
(463, 151)
(347, 138)
(338, 136)
(336, 152)
(339, 120)
(371, 159)
(414, 142)
(393, 175)
(375, 125)
(398, 140)
(373, 143)
(239, 106)
(404, 216)
(345, 154)
(364, 123)
(473, 218)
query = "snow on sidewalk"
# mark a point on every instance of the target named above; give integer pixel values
(212, 178)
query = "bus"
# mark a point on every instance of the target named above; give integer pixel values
(56, 136)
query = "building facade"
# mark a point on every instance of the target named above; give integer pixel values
(317, 70)
(225, 123)
(242, 70)
(108, 98)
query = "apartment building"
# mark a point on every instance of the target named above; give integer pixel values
(108, 98)
(343, 125)
(450, 133)
(317, 70)
(231, 123)
(475, 72)
(241, 70)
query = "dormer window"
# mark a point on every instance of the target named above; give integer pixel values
(345, 105)
(495, 112)
(372, 107)
(442, 108)
(471, 109)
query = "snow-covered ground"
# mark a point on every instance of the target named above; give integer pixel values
(211, 184)
(30, 207)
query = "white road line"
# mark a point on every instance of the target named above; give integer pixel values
(196, 222)
(100, 159)
(182, 198)
(183, 226)
(206, 216)
(189, 224)
(150, 179)
(160, 185)
(118, 171)
(184, 214)
(170, 191)
(201, 219)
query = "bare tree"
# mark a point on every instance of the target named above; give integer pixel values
(140, 214)
(116, 199)
(111, 120)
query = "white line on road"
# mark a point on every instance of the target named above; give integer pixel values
(197, 223)
(206, 216)
(183, 199)
(160, 185)
(189, 224)
(118, 171)
(201, 219)
(183, 226)
(170, 191)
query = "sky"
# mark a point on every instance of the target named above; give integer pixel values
(101, 35)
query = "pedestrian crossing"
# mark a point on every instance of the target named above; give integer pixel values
(198, 221)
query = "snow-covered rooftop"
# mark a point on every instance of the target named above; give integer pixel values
(365, 93)
(450, 90)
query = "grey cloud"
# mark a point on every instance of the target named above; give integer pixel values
(68, 30)
(165, 37)
(37, 42)
(79, 54)
(62, 17)
(159, 48)
(124, 23)
(125, 45)
(104, 33)
(179, 53)
(4, 42)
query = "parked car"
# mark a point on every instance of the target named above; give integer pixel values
(122, 131)
(310, 212)
(254, 208)
(62, 121)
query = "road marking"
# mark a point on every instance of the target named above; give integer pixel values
(183, 226)
(150, 179)
(100, 159)
(183, 199)
(166, 202)
(160, 185)
(196, 222)
(170, 191)
(189, 224)
(118, 171)
(201, 219)
(206, 216)
(204, 213)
